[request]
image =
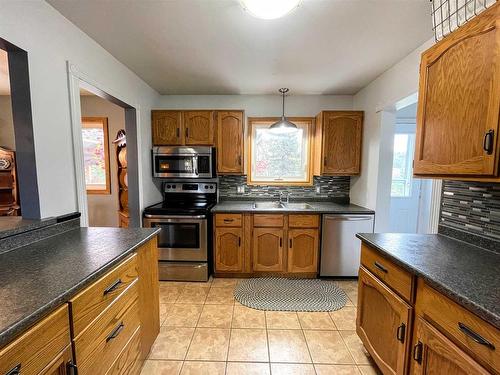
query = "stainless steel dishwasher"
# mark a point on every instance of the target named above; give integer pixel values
(340, 249)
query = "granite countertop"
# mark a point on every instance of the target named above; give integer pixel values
(322, 207)
(37, 278)
(12, 225)
(465, 273)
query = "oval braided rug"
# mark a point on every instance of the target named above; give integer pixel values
(281, 294)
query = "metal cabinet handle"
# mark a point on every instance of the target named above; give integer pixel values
(178, 132)
(114, 333)
(239, 160)
(400, 333)
(380, 267)
(475, 336)
(488, 141)
(290, 243)
(112, 287)
(187, 132)
(417, 352)
(239, 241)
(281, 242)
(71, 368)
(324, 161)
(16, 370)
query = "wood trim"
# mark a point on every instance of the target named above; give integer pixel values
(102, 122)
(251, 121)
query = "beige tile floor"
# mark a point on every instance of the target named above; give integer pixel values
(206, 332)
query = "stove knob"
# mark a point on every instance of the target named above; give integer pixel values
(173, 186)
(206, 186)
(211, 186)
(168, 186)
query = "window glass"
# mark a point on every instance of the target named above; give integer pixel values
(95, 152)
(402, 169)
(280, 156)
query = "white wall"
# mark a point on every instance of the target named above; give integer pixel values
(103, 208)
(398, 82)
(258, 105)
(6, 125)
(51, 40)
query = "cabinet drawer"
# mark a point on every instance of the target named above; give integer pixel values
(39, 346)
(264, 220)
(461, 325)
(128, 361)
(92, 301)
(228, 220)
(99, 345)
(394, 276)
(303, 221)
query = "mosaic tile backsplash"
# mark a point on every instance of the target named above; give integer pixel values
(471, 207)
(336, 188)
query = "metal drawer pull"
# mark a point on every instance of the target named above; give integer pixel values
(475, 336)
(380, 267)
(178, 132)
(239, 241)
(112, 287)
(15, 370)
(400, 333)
(417, 352)
(115, 332)
(281, 242)
(488, 141)
(228, 220)
(71, 368)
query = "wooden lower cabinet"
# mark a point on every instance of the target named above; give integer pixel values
(229, 244)
(434, 353)
(62, 365)
(383, 323)
(267, 250)
(303, 247)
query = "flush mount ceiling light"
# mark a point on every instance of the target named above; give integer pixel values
(269, 9)
(283, 125)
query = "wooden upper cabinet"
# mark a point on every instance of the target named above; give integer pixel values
(198, 128)
(382, 323)
(338, 143)
(433, 353)
(303, 247)
(268, 250)
(228, 250)
(459, 99)
(166, 128)
(230, 142)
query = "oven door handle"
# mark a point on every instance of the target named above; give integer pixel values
(175, 216)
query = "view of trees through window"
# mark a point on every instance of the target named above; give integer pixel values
(280, 156)
(95, 143)
(402, 165)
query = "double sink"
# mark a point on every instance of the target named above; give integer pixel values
(281, 206)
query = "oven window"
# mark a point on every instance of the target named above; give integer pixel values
(178, 235)
(174, 164)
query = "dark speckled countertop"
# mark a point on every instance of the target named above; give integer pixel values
(37, 278)
(465, 273)
(320, 207)
(12, 225)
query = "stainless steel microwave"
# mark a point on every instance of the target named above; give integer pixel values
(184, 162)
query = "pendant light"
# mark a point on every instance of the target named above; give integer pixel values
(283, 125)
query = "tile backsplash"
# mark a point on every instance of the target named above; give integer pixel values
(336, 188)
(471, 211)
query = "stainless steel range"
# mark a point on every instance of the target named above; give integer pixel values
(185, 239)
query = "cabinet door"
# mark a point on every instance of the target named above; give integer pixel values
(303, 247)
(383, 323)
(341, 150)
(199, 127)
(61, 365)
(230, 142)
(166, 128)
(433, 353)
(459, 97)
(268, 249)
(229, 250)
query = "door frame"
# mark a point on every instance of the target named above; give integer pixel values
(76, 79)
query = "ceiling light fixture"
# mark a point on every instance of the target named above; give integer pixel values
(283, 125)
(269, 9)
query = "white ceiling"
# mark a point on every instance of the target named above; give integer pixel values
(215, 47)
(4, 73)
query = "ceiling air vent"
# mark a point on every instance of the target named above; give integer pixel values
(449, 15)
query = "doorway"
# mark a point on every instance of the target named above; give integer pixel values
(410, 197)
